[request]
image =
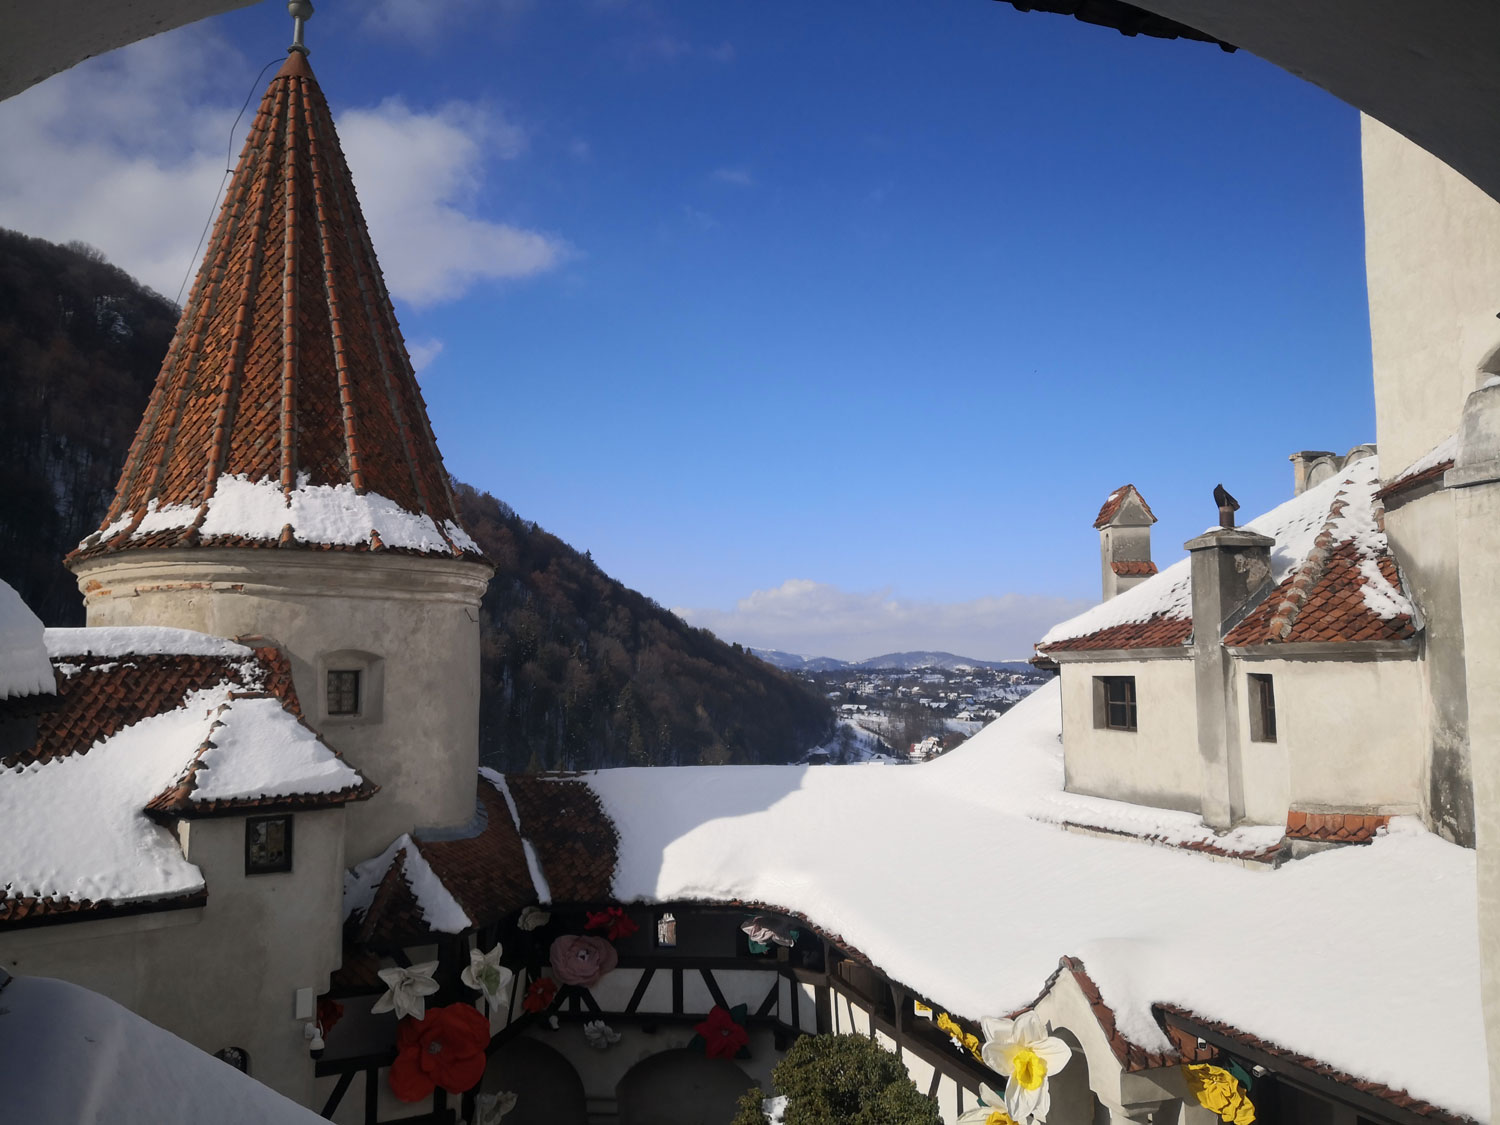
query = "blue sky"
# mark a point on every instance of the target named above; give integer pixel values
(834, 322)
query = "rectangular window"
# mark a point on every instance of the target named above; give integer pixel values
(666, 931)
(268, 844)
(1114, 702)
(1262, 708)
(343, 693)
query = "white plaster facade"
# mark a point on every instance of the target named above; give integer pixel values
(409, 623)
(1155, 764)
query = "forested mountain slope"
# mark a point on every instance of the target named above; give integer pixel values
(578, 670)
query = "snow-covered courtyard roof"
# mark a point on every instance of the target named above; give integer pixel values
(149, 724)
(955, 879)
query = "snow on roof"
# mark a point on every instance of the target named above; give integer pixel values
(318, 514)
(24, 667)
(138, 640)
(1169, 595)
(257, 751)
(129, 739)
(76, 827)
(439, 909)
(967, 897)
(68, 1055)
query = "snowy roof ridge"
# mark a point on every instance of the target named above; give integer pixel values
(311, 389)
(287, 766)
(1429, 466)
(138, 640)
(1308, 574)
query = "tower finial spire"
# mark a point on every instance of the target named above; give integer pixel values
(301, 11)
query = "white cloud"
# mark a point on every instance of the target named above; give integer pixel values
(423, 352)
(125, 151)
(736, 176)
(425, 21)
(418, 176)
(818, 619)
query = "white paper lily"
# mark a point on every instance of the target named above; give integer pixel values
(1022, 1050)
(492, 1107)
(600, 1035)
(533, 918)
(485, 974)
(989, 1111)
(405, 990)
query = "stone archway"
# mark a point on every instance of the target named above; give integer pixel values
(548, 1090)
(680, 1087)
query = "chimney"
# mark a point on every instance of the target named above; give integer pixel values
(1231, 572)
(1312, 467)
(1124, 525)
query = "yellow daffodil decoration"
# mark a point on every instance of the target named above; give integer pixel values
(960, 1037)
(988, 1111)
(1220, 1092)
(1023, 1051)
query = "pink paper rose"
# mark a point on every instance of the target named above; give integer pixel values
(582, 959)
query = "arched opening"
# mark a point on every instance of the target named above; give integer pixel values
(548, 1090)
(681, 1087)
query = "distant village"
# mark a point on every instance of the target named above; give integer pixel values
(912, 714)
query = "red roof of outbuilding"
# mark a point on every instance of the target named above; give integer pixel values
(288, 367)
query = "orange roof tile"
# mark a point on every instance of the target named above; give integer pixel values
(1125, 569)
(288, 365)
(1323, 600)
(1160, 631)
(1335, 827)
(1117, 500)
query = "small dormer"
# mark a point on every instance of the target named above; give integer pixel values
(1124, 525)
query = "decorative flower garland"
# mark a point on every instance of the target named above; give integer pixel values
(581, 959)
(613, 921)
(407, 989)
(485, 974)
(964, 1040)
(1023, 1051)
(539, 995)
(988, 1111)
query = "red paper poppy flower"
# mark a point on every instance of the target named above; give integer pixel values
(540, 995)
(722, 1037)
(613, 921)
(330, 1011)
(444, 1048)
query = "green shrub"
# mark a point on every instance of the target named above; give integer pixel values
(842, 1080)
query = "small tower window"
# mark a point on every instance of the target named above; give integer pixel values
(268, 844)
(1262, 708)
(666, 931)
(1114, 702)
(343, 692)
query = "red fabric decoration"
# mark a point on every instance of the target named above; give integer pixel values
(613, 921)
(444, 1048)
(540, 995)
(722, 1037)
(330, 1011)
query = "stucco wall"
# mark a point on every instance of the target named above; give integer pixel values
(1350, 734)
(1156, 764)
(419, 615)
(225, 974)
(1432, 260)
(1422, 534)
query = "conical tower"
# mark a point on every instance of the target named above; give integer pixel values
(285, 481)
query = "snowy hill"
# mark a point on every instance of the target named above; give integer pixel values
(903, 661)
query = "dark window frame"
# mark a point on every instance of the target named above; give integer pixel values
(1262, 707)
(349, 687)
(279, 867)
(1115, 703)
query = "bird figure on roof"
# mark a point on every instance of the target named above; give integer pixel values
(1228, 505)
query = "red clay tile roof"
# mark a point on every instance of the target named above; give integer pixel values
(575, 841)
(1337, 827)
(1117, 500)
(18, 913)
(1322, 599)
(1159, 632)
(1405, 484)
(288, 365)
(485, 872)
(1131, 568)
